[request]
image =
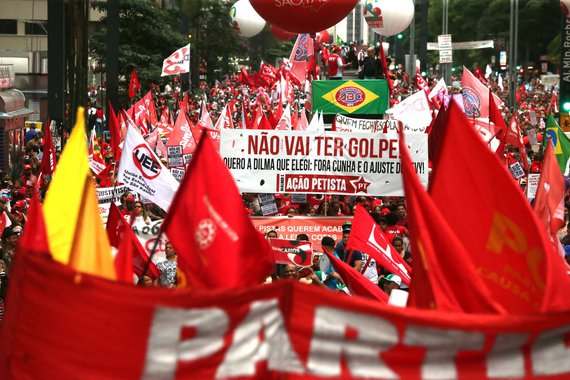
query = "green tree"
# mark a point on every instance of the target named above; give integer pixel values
(218, 48)
(539, 24)
(147, 35)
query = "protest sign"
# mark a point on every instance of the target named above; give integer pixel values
(294, 252)
(532, 185)
(283, 330)
(106, 195)
(315, 227)
(177, 173)
(175, 158)
(517, 170)
(316, 163)
(350, 124)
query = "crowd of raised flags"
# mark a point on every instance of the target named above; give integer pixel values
(478, 246)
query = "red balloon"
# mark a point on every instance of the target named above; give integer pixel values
(303, 16)
(281, 34)
(323, 37)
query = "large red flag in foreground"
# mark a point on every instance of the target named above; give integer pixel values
(492, 218)
(443, 271)
(366, 236)
(285, 330)
(216, 242)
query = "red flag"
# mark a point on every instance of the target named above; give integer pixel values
(301, 53)
(444, 277)
(134, 84)
(117, 230)
(500, 128)
(549, 200)
(34, 239)
(124, 260)
(492, 218)
(436, 131)
(366, 236)
(268, 73)
(420, 82)
(479, 75)
(49, 158)
(356, 282)
(476, 96)
(208, 207)
(115, 132)
(182, 135)
(385, 68)
(105, 175)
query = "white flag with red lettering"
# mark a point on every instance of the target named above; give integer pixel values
(177, 63)
(141, 170)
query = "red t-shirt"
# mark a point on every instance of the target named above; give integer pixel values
(396, 230)
(333, 65)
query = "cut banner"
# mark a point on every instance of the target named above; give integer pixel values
(313, 163)
(142, 171)
(350, 124)
(127, 332)
(288, 228)
(350, 96)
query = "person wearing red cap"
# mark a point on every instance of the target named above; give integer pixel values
(336, 64)
(28, 179)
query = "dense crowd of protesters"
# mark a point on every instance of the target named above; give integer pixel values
(390, 213)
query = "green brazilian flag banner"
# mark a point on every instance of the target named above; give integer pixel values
(365, 97)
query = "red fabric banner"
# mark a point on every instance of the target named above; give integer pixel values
(314, 227)
(285, 330)
(509, 247)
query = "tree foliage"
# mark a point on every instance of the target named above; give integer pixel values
(539, 24)
(147, 35)
(218, 48)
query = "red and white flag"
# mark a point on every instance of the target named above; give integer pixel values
(134, 84)
(225, 250)
(476, 96)
(366, 236)
(177, 63)
(141, 170)
(284, 124)
(300, 55)
(420, 82)
(49, 157)
(205, 119)
(298, 253)
(437, 92)
(182, 135)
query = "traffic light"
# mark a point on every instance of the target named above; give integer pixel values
(400, 36)
(565, 106)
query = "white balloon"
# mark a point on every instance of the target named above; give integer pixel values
(388, 17)
(245, 19)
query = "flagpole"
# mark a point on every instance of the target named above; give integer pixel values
(147, 265)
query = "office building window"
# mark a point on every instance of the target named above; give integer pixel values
(36, 28)
(8, 27)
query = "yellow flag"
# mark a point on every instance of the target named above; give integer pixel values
(91, 251)
(65, 193)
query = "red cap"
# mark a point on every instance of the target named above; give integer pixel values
(27, 167)
(130, 198)
(20, 204)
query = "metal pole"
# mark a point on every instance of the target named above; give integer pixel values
(513, 42)
(445, 67)
(412, 68)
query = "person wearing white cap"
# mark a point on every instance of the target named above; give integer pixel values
(391, 282)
